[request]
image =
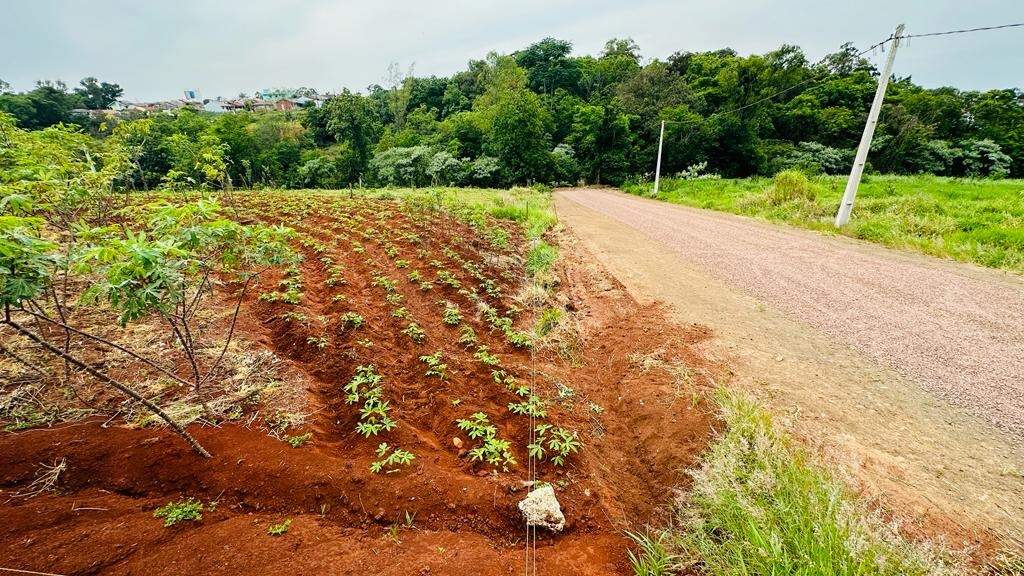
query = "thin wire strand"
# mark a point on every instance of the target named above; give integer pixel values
(531, 531)
(790, 88)
(964, 31)
(880, 44)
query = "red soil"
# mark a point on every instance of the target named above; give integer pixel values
(441, 515)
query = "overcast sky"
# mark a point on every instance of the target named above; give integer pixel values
(157, 49)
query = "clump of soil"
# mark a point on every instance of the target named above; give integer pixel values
(622, 377)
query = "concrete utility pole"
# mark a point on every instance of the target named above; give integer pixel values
(657, 166)
(846, 207)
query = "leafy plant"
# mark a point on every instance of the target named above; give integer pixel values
(532, 406)
(168, 269)
(467, 337)
(293, 316)
(298, 441)
(451, 315)
(490, 448)
(483, 354)
(435, 367)
(190, 510)
(352, 320)
(320, 342)
(448, 279)
(560, 442)
(414, 332)
(366, 386)
(281, 528)
(389, 457)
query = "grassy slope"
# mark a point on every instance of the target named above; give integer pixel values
(979, 221)
(761, 506)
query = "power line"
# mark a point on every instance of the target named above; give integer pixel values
(895, 38)
(964, 31)
(789, 88)
(859, 54)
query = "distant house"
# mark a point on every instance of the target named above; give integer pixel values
(232, 105)
(216, 106)
(94, 114)
(284, 105)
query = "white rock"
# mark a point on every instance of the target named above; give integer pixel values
(540, 508)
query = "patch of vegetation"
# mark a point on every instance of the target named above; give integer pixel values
(281, 528)
(467, 337)
(365, 386)
(415, 333)
(389, 458)
(540, 257)
(760, 506)
(548, 320)
(484, 356)
(554, 443)
(971, 220)
(532, 406)
(451, 315)
(435, 367)
(352, 320)
(490, 448)
(298, 441)
(652, 558)
(190, 510)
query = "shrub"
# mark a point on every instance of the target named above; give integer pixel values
(815, 158)
(985, 158)
(790, 185)
(485, 171)
(445, 169)
(403, 166)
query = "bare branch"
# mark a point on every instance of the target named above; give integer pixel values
(110, 381)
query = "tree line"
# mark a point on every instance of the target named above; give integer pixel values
(542, 115)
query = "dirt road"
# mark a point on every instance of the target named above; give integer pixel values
(905, 367)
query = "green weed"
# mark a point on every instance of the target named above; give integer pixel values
(190, 510)
(281, 528)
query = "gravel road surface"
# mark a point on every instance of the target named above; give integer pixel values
(956, 329)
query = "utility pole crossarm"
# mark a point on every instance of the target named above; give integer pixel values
(850, 194)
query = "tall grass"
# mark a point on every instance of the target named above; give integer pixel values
(980, 221)
(759, 506)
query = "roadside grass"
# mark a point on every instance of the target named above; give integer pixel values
(760, 506)
(970, 220)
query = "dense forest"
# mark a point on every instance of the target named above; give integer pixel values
(542, 115)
